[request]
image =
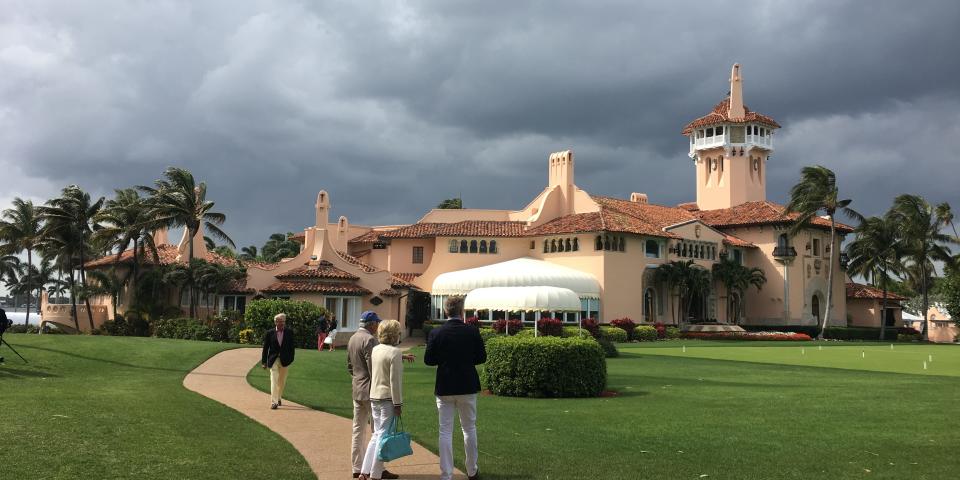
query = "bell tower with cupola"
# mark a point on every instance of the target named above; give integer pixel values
(730, 147)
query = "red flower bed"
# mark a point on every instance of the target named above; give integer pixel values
(500, 326)
(550, 327)
(626, 324)
(472, 321)
(760, 336)
(591, 325)
(661, 330)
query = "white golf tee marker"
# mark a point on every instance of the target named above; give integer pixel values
(684, 349)
(891, 346)
(930, 358)
(803, 351)
(819, 347)
(863, 354)
(924, 365)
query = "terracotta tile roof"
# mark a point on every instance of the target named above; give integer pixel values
(355, 262)
(719, 115)
(736, 242)
(406, 276)
(299, 237)
(466, 228)
(368, 237)
(389, 292)
(397, 282)
(259, 264)
(167, 254)
(316, 287)
(859, 290)
(239, 286)
(758, 213)
(324, 270)
(689, 206)
(576, 223)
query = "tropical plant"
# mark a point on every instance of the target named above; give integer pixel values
(687, 280)
(923, 243)
(69, 224)
(737, 278)
(875, 254)
(126, 221)
(945, 214)
(816, 193)
(451, 204)
(106, 283)
(279, 246)
(177, 200)
(20, 231)
(249, 253)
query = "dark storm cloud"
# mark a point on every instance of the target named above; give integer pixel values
(393, 106)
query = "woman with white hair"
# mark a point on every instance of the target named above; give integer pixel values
(386, 392)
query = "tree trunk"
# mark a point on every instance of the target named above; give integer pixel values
(193, 303)
(883, 305)
(73, 300)
(833, 248)
(83, 283)
(926, 300)
(26, 320)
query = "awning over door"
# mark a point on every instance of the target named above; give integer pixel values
(523, 299)
(521, 272)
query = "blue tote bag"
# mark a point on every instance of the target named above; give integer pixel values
(395, 443)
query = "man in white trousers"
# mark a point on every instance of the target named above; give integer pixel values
(278, 348)
(455, 349)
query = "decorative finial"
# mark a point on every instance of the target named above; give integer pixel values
(736, 110)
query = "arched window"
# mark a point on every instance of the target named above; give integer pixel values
(453, 246)
(473, 246)
(734, 308)
(553, 245)
(649, 301)
(576, 244)
(606, 242)
(652, 249)
(483, 246)
(463, 246)
(567, 247)
(493, 246)
(815, 308)
(598, 243)
(546, 246)
(623, 244)
(782, 241)
(683, 250)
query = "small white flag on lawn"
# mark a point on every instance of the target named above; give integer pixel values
(924, 365)
(863, 354)
(930, 358)
(803, 351)
(684, 349)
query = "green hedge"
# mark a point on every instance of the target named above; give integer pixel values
(614, 334)
(672, 332)
(645, 333)
(576, 332)
(301, 318)
(183, 328)
(427, 326)
(487, 333)
(833, 333)
(545, 367)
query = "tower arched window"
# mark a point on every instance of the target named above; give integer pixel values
(483, 246)
(567, 247)
(546, 246)
(576, 244)
(463, 246)
(782, 242)
(473, 246)
(623, 244)
(493, 246)
(598, 243)
(606, 242)
(553, 245)
(453, 247)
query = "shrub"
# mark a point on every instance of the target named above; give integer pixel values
(575, 332)
(661, 330)
(545, 367)
(182, 328)
(301, 318)
(645, 333)
(626, 324)
(592, 326)
(487, 333)
(764, 336)
(671, 332)
(247, 337)
(909, 337)
(500, 326)
(427, 327)
(550, 327)
(614, 334)
(525, 333)
(472, 321)
(609, 349)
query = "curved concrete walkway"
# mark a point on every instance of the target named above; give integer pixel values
(323, 439)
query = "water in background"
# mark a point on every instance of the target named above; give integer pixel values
(19, 314)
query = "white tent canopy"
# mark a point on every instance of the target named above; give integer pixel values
(521, 272)
(519, 299)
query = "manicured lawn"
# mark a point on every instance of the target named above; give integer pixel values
(108, 407)
(722, 409)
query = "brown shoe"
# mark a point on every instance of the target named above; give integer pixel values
(388, 475)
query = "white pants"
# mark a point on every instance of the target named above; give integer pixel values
(361, 418)
(278, 378)
(466, 406)
(382, 413)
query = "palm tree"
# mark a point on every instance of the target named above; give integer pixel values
(669, 274)
(59, 245)
(20, 230)
(698, 286)
(70, 220)
(687, 280)
(737, 278)
(874, 254)
(107, 284)
(923, 243)
(124, 221)
(280, 246)
(945, 214)
(817, 192)
(178, 201)
(249, 253)
(9, 266)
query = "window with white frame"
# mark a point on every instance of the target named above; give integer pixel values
(345, 309)
(237, 303)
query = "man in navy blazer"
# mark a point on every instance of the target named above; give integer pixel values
(277, 356)
(455, 348)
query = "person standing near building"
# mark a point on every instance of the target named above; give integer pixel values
(386, 393)
(359, 364)
(455, 348)
(323, 329)
(278, 350)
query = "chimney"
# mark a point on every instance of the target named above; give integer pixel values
(640, 198)
(323, 209)
(736, 110)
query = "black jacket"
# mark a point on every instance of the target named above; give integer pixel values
(455, 348)
(272, 351)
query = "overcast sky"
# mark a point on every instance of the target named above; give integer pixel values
(394, 106)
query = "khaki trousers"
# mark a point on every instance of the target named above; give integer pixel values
(361, 418)
(278, 379)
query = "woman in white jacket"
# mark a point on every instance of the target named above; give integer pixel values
(386, 392)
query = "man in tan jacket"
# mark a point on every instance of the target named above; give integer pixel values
(359, 352)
